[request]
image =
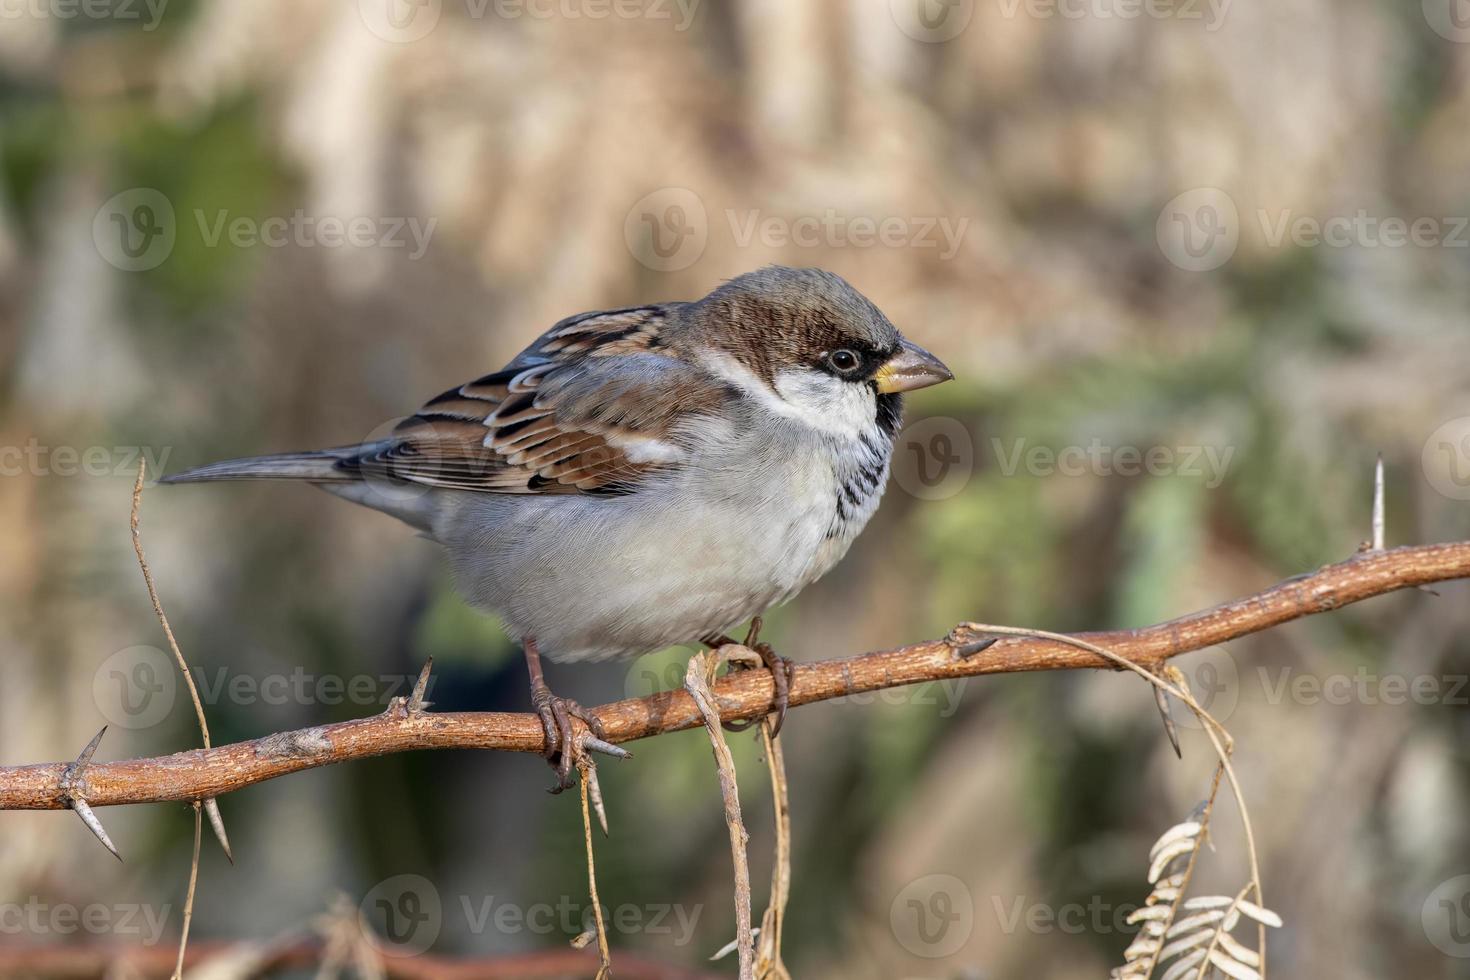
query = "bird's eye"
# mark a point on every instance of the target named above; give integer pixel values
(843, 360)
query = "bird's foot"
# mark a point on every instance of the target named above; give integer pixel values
(565, 746)
(782, 673)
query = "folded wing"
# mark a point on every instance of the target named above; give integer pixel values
(592, 407)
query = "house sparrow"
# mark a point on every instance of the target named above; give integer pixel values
(645, 477)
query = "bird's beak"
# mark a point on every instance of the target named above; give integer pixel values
(912, 367)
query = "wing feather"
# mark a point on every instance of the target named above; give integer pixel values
(593, 406)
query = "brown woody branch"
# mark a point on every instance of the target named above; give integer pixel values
(204, 773)
(84, 962)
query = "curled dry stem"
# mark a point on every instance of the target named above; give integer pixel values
(588, 771)
(697, 680)
(1176, 686)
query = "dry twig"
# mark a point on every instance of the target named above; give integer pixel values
(588, 771)
(697, 678)
(201, 774)
(215, 820)
(298, 953)
(768, 963)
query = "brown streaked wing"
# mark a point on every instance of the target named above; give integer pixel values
(559, 418)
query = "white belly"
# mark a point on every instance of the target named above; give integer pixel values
(598, 577)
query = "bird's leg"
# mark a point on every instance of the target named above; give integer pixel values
(782, 673)
(563, 748)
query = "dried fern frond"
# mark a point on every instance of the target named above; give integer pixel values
(1197, 945)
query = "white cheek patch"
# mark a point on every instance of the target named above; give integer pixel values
(813, 397)
(827, 403)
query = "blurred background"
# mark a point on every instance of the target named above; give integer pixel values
(1194, 264)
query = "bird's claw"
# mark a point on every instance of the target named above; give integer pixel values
(556, 716)
(783, 671)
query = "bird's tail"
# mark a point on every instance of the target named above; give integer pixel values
(345, 471)
(319, 466)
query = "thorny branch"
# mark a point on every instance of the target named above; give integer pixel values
(307, 952)
(966, 652)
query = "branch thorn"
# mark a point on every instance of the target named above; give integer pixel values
(93, 824)
(417, 703)
(1170, 729)
(217, 822)
(968, 648)
(71, 779)
(594, 790)
(606, 748)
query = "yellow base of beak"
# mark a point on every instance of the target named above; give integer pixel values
(911, 368)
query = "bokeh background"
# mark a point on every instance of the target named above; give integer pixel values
(1193, 264)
